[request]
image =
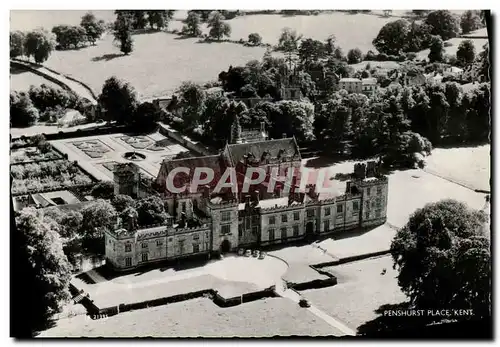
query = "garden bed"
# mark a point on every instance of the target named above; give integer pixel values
(48, 175)
(31, 154)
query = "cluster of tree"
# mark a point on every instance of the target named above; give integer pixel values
(140, 19)
(71, 36)
(444, 260)
(218, 27)
(26, 108)
(402, 36)
(38, 44)
(396, 119)
(119, 103)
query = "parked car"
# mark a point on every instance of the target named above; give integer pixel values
(241, 251)
(248, 253)
(256, 253)
(262, 255)
(304, 303)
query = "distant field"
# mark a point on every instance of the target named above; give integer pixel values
(351, 31)
(32, 19)
(159, 64)
(22, 80)
(200, 318)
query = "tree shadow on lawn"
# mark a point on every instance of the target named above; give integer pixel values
(17, 71)
(107, 57)
(386, 324)
(185, 37)
(324, 161)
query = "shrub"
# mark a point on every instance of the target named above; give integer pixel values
(254, 39)
(411, 56)
(382, 57)
(370, 55)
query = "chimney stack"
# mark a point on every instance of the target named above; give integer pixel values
(257, 196)
(262, 126)
(283, 135)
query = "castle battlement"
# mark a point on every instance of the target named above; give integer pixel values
(282, 207)
(222, 203)
(186, 230)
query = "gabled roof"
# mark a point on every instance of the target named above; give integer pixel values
(274, 148)
(214, 162)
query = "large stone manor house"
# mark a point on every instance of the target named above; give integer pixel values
(203, 223)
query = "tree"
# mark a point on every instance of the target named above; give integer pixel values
(192, 24)
(421, 13)
(39, 256)
(295, 118)
(218, 28)
(466, 52)
(39, 44)
(333, 124)
(121, 202)
(443, 23)
(69, 36)
(119, 101)
(391, 38)
(289, 40)
(436, 53)
(159, 18)
(16, 43)
(443, 258)
(354, 56)
(146, 115)
(103, 190)
(339, 55)
(470, 21)
(192, 102)
(254, 39)
(311, 51)
(93, 28)
(98, 217)
(22, 111)
(418, 37)
(122, 32)
(151, 211)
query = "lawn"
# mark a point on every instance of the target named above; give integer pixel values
(361, 289)
(467, 165)
(158, 65)
(200, 318)
(21, 81)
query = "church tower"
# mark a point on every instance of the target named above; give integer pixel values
(235, 131)
(290, 86)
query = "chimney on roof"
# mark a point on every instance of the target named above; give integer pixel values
(262, 126)
(283, 136)
(206, 191)
(257, 196)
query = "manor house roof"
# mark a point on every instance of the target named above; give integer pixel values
(214, 162)
(274, 148)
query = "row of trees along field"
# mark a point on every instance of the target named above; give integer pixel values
(40, 43)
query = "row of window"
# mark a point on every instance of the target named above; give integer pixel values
(145, 255)
(283, 230)
(145, 245)
(369, 189)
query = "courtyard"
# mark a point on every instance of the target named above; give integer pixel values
(98, 154)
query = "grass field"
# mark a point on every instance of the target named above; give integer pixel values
(159, 64)
(200, 318)
(21, 81)
(468, 165)
(361, 289)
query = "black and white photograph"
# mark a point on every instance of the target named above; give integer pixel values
(245, 173)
